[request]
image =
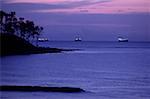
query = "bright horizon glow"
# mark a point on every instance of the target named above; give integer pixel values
(94, 6)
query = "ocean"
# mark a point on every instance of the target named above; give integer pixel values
(105, 70)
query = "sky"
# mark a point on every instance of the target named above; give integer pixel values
(93, 20)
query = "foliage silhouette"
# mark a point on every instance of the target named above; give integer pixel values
(20, 27)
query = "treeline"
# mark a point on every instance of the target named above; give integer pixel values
(26, 29)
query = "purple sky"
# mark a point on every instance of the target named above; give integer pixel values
(100, 20)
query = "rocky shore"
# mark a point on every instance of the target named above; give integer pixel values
(14, 45)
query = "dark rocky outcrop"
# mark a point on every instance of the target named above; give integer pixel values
(41, 89)
(13, 45)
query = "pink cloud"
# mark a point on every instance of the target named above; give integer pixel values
(112, 6)
(34, 1)
(41, 1)
(120, 6)
(128, 5)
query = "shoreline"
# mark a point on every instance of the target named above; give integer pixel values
(13, 45)
(39, 89)
(41, 50)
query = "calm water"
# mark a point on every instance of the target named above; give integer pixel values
(106, 70)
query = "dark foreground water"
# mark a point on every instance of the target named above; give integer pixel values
(106, 70)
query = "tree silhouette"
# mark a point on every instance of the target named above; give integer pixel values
(2, 17)
(20, 27)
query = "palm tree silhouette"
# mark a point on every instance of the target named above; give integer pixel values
(20, 27)
(2, 15)
(2, 22)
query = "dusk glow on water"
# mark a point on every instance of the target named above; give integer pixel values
(108, 70)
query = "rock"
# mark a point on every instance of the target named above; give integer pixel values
(40, 88)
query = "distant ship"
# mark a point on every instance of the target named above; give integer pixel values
(121, 39)
(78, 39)
(42, 39)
